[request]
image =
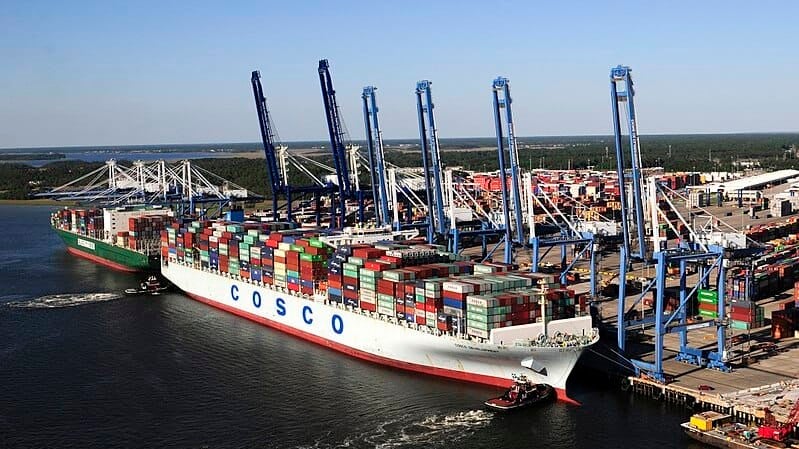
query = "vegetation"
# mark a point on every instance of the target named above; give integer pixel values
(674, 153)
(31, 156)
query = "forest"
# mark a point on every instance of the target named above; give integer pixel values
(717, 152)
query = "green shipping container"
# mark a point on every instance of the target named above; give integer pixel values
(739, 325)
(708, 296)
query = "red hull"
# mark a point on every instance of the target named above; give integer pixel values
(440, 372)
(100, 260)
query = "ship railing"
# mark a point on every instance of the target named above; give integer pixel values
(560, 340)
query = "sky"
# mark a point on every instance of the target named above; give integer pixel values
(135, 73)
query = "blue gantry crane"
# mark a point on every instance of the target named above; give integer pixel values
(376, 155)
(502, 100)
(431, 161)
(338, 148)
(269, 138)
(699, 252)
(622, 75)
(275, 156)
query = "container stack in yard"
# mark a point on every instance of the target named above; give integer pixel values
(784, 323)
(746, 315)
(708, 303)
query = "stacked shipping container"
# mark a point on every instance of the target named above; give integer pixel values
(144, 234)
(262, 252)
(419, 284)
(85, 222)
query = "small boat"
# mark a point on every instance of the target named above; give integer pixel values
(521, 395)
(152, 286)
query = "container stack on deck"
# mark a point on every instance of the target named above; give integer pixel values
(85, 222)
(419, 284)
(144, 233)
(261, 252)
(422, 284)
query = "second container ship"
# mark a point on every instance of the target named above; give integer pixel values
(124, 238)
(413, 307)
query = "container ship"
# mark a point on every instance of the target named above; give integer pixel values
(408, 306)
(125, 238)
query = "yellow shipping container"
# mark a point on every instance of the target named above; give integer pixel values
(701, 423)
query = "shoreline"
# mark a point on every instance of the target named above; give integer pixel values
(36, 202)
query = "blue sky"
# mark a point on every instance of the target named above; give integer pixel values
(114, 73)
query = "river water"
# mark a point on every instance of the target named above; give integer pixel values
(82, 366)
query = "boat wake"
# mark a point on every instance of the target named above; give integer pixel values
(433, 431)
(64, 300)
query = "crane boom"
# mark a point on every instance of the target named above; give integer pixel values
(269, 139)
(377, 163)
(335, 131)
(428, 135)
(622, 75)
(502, 99)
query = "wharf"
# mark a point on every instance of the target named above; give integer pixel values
(746, 405)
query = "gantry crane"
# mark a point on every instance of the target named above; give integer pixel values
(431, 161)
(708, 257)
(502, 100)
(345, 154)
(376, 155)
(276, 156)
(269, 138)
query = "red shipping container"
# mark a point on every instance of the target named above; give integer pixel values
(391, 259)
(349, 294)
(368, 306)
(708, 307)
(367, 252)
(374, 265)
(386, 287)
(742, 317)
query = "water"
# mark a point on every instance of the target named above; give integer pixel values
(83, 366)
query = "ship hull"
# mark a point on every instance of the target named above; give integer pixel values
(121, 259)
(381, 341)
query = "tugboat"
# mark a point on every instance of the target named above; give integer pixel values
(521, 394)
(152, 286)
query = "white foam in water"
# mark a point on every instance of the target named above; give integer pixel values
(64, 300)
(432, 431)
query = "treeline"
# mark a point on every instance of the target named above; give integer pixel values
(674, 153)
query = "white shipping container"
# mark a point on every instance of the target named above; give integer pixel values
(458, 287)
(477, 332)
(481, 301)
(385, 310)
